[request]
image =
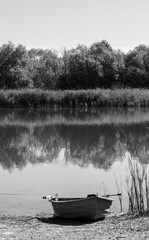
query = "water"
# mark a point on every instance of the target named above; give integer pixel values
(69, 152)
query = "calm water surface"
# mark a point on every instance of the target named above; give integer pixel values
(69, 152)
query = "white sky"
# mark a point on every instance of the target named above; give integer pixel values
(57, 23)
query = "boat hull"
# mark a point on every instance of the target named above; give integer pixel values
(91, 208)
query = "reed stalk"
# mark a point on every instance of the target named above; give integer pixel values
(147, 190)
(119, 187)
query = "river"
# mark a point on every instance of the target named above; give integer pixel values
(69, 152)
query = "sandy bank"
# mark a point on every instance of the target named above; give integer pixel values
(44, 228)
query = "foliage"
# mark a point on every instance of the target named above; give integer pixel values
(97, 66)
(14, 67)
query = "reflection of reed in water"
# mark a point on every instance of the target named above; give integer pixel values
(76, 116)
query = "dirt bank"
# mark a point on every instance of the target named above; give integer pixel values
(44, 228)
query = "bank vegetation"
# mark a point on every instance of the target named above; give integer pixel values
(74, 98)
(78, 77)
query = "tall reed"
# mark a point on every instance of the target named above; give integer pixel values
(137, 187)
(74, 98)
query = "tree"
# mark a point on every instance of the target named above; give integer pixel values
(44, 67)
(83, 70)
(63, 80)
(108, 59)
(136, 67)
(14, 67)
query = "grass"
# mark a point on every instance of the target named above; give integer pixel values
(137, 187)
(32, 98)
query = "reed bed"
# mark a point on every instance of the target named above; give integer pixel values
(73, 99)
(138, 187)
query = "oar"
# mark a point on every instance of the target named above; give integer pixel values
(112, 195)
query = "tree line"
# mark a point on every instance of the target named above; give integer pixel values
(97, 66)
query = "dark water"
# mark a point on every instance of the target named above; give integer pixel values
(69, 152)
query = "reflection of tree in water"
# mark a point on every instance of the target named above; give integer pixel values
(48, 142)
(136, 141)
(9, 155)
(89, 145)
(21, 145)
(99, 145)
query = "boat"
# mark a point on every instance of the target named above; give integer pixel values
(91, 207)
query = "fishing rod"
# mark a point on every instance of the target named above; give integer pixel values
(108, 195)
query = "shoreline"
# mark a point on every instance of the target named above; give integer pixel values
(46, 227)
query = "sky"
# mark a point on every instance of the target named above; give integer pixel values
(54, 24)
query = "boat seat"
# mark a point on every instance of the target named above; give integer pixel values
(91, 195)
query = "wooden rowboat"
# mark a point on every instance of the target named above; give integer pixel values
(90, 208)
